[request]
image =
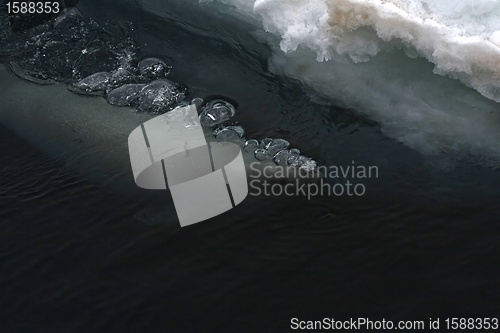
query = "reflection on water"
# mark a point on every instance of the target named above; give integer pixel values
(420, 243)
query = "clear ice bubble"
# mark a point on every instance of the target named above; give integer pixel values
(294, 151)
(251, 145)
(265, 142)
(290, 160)
(280, 158)
(159, 96)
(227, 134)
(216, 112)
(154, 68)
(124, 95)
(238, 129)
(262, 154)
(197, 101)
(276, 145)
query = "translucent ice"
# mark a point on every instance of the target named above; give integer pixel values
(280, 158)
(122, 76)
(237, 129)
(93, 83)
(302, 162)
(251, 146)
(276, 145)
(216, 112)
(265, 142)
(124, 95)
(159, 96)
(228, 134)
(262, 154)
(197, 101)
(154, 68)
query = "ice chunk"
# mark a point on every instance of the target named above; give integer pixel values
(159, 96)
(216, 112)
(228, 134)
(154, 68)
(96, 82)
(265, 142)
(280, 158)
(262, 154)
(122, 76)
(251, 146)
(124, 95)
(302, 162)
(238, 129)
(197, 101)
(276, 145)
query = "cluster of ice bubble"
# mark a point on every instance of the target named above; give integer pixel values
(217, 112)
(145, 88)
(94, 61)
(126, 88)
(91, 60)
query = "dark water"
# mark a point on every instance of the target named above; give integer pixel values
(422, 243)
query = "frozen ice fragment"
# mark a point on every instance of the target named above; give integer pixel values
(251, 145)
(124, 95)
(122, 76)
(159, 96)
(237, 129)
(154, 68)
(280, 158)
(216, 112)
(302, 162)
(265, 142)
(262, 154)
(276, 145)
(228, 134)
(95, 82)
(197, 101)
